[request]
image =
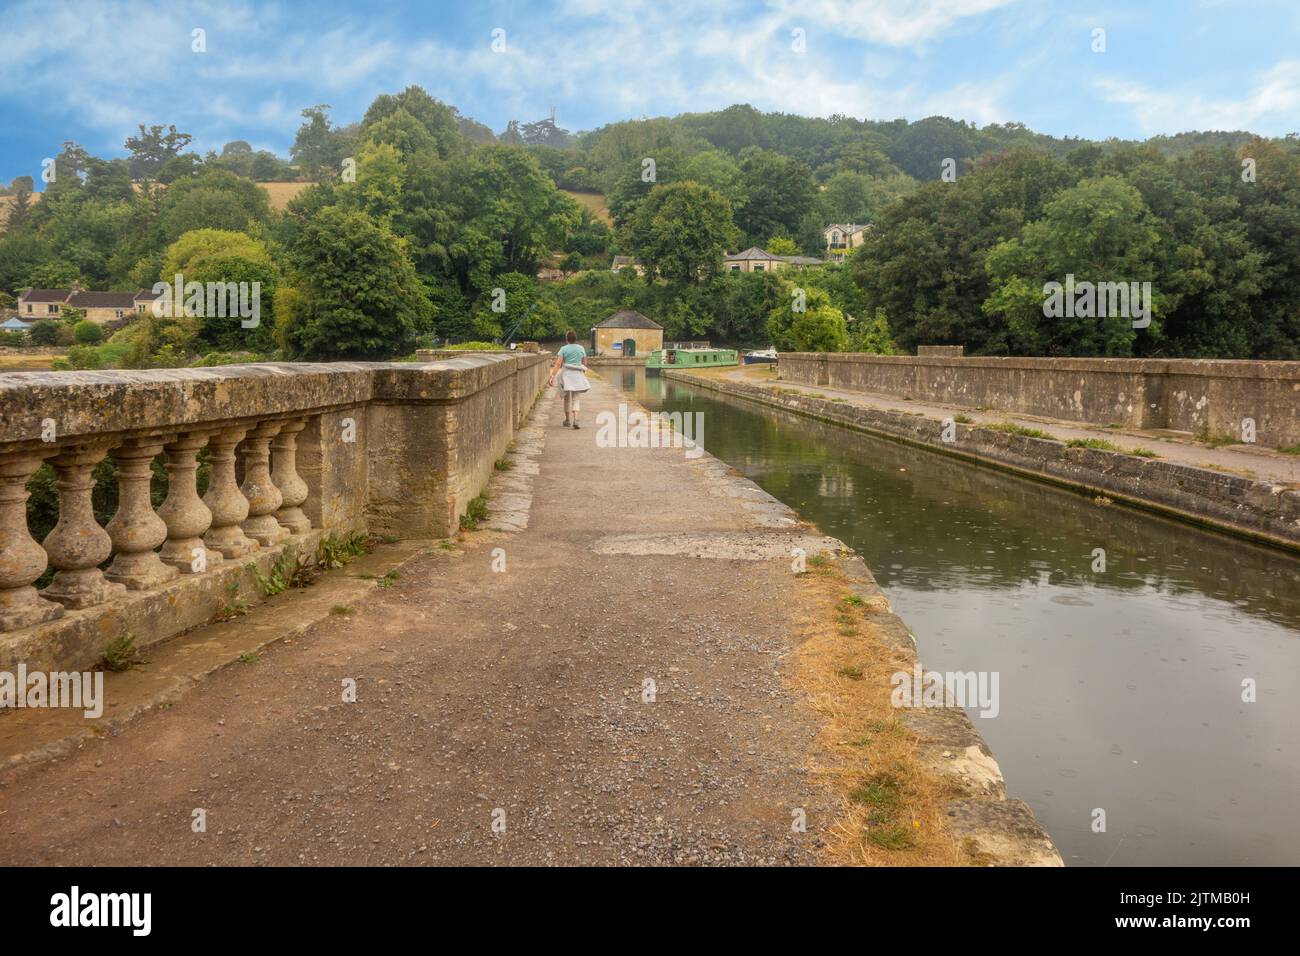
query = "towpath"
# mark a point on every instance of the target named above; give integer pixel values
(608, 682)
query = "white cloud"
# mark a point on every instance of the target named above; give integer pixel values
(891, 22)
(1273, 99)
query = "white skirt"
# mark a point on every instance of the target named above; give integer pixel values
(573, 378)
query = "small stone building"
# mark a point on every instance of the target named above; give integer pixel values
(611, 336)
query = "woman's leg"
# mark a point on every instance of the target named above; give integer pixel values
(575, 395)
(568, 397)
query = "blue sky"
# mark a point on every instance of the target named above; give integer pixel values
(90, 71)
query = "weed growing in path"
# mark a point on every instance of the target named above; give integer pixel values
(122, 654)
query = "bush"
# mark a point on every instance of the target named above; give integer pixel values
(14, 340)
(87, 332)
(477, 347)
(44, 332)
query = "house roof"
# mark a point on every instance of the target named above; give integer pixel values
(802, 260)
(753, 252)
(146, 295)
(45, 295)
(628, 319)
(849, 227)
(12, 323)
(102, 300)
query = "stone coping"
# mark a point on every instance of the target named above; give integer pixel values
(113, 402)
(1223, 368)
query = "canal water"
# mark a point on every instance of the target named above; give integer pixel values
(1121, 690)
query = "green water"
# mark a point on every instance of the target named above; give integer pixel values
(1119, 691)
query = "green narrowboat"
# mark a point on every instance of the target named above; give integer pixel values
(690, 355)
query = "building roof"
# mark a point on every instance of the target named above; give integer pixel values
(146, 295)
(16, 324)
(628, 319)
(45, 295)
(849, 228)
(102, 300)
(803, 260)
(753, 252)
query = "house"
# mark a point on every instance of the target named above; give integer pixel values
(755, 259)
(100, 307)
(612, 336)
(627, 262)
(841, 238)
(36, 304)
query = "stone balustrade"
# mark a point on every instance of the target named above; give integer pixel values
(295, 452)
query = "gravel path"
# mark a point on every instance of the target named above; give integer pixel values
(488, 698)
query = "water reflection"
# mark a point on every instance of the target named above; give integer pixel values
(1121, 690)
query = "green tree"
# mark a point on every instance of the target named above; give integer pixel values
(779, 195)
(153, 147)
(356, 294)
(681, 232)
(215, 199)
(1099, 231)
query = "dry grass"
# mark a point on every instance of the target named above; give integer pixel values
(594, 202)
(27, 363)
(891, 806)
(281, 193)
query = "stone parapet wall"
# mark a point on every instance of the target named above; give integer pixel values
(1189, 395)
(297, 452)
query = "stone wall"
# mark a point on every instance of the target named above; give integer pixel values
(1181, 394)
(297, 453)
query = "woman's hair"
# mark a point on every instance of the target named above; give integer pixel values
(570, 336)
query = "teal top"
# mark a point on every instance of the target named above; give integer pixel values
(572, 354)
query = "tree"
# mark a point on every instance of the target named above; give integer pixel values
(44, 332)
(215, 199)
(319, 147)
(781, 246)
(434, 117)
(1099, 231)
(357, 294)
(153, 147)
(681, 232)
(511, 216)
(779, 195)
(807, 323)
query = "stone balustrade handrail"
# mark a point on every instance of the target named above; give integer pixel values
(293, 449)
(106, 403)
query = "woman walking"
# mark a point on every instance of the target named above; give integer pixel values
(571, 366)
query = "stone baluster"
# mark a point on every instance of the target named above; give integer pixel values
(263, 497)
(227, 503)
(78, 545)
(21, 559)
(284, 472)
(185, 514)
(136, 530)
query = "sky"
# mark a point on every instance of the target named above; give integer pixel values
(90, 71)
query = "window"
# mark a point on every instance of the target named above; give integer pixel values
(52, 309)
(118, 313)
(29, 308)
(758, 267)
(735, 267)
